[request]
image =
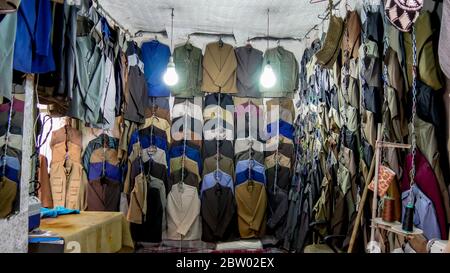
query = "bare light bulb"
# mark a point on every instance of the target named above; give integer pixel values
(170, 76)
(268, 78)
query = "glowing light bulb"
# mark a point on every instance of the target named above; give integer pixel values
(170, 76)
(268, 78)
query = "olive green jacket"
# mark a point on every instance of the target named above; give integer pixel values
(188, 64)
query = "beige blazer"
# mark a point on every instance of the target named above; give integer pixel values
(183, 213)
(219, 69)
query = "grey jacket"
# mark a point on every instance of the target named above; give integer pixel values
(248, 71)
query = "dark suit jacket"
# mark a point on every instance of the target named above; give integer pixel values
(218, 212)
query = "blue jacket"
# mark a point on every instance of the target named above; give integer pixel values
(223, 178)
(145, 141)
(33, 51)
(257, 172)
(424, 213)
(284, 127)
(156, 57)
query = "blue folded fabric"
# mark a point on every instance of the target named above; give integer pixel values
(145, 141)
(286, 129)
(56, 211)
(244, 176)
(111, 172)
(11, 173)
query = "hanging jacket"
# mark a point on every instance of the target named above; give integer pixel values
(249, 68)
(424, 213)
(33, 53)
(155, 56)
(89, 81)
(7, 37)
(183, 213)
(427, 65)
(351, 39)
(251, 200)
(286, 70)
(218, 211)
(188, 63)
(425, 179)
(219, 69)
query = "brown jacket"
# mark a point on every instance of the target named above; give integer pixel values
(8, 191)
(219, 69)
(251, 204)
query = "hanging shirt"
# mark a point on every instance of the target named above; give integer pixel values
(426, 180)
(89, 81)
(107, 98)
(155, 56)
(7, 37)
(136, 94)
(249, 67)
(33, 51)
(424, 213)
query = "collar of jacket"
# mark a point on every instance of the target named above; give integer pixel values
(188, 46)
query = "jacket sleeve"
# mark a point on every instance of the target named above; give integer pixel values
(228, 69)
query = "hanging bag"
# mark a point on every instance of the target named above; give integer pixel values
(327, 55)
(385, 178)
(403, 13)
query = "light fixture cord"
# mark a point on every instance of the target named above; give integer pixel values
(171, 36)
(268, 25)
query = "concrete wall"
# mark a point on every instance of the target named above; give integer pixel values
(14, 230)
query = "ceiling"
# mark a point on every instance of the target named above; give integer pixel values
(241, 19)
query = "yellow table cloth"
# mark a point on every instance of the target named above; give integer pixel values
(91, 232)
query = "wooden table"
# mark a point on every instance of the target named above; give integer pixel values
(91, 232)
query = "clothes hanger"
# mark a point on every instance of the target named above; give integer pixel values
(248, 44)
(220, 41)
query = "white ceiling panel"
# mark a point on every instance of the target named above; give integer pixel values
(242, 18)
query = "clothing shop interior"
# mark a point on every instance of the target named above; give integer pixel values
(207, 126)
